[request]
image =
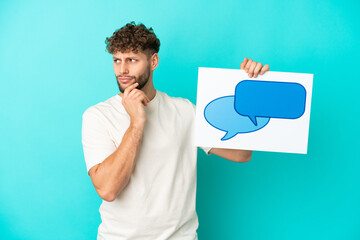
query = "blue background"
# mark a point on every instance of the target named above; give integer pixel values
(53, 65)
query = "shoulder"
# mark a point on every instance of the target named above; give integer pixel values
(178, 102)
(101, 109)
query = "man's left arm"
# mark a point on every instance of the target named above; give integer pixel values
(234, 155)
(253, 69)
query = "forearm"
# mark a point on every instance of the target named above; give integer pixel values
(113, 174)
(234, 155)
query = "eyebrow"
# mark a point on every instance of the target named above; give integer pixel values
(126, 57)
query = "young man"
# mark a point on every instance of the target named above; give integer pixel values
(139, 150)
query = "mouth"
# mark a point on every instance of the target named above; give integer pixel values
(125, 80)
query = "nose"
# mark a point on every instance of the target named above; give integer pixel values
(124, 69)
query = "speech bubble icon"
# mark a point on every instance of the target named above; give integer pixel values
(220, 114)
(256, 99)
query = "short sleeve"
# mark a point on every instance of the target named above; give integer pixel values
(206, 149)
(96, 141)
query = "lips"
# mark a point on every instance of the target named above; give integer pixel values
(125, 80)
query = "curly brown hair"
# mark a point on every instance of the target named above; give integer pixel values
(132, 37)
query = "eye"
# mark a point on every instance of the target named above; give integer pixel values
(132, 60)
(116, 60)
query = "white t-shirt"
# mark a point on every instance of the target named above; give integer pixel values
(159, 201)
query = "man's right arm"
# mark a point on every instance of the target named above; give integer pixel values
(112, 175)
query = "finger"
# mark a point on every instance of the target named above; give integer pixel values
(242, 65)
(257, 69)
(130, 88)
(147, 99)
(138, 97)
(141, 97)
(264, 69)
(251, 69)
(133, 93)
(248, 64)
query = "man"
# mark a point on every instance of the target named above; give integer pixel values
(139, 150)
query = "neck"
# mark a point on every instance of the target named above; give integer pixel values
(149, 89)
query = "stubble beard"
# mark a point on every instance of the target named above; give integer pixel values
(142, 80)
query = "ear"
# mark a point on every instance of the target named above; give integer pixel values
(154, 61)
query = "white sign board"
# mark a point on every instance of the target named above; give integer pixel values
(268, 113)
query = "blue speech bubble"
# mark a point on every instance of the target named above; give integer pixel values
(256, 99)
(220, 114)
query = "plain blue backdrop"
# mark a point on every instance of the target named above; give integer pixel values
(53, 66)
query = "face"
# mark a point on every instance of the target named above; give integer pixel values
(131, 67)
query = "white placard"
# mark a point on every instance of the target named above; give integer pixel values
(222, 109)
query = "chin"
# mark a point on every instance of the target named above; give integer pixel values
(123, 86)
